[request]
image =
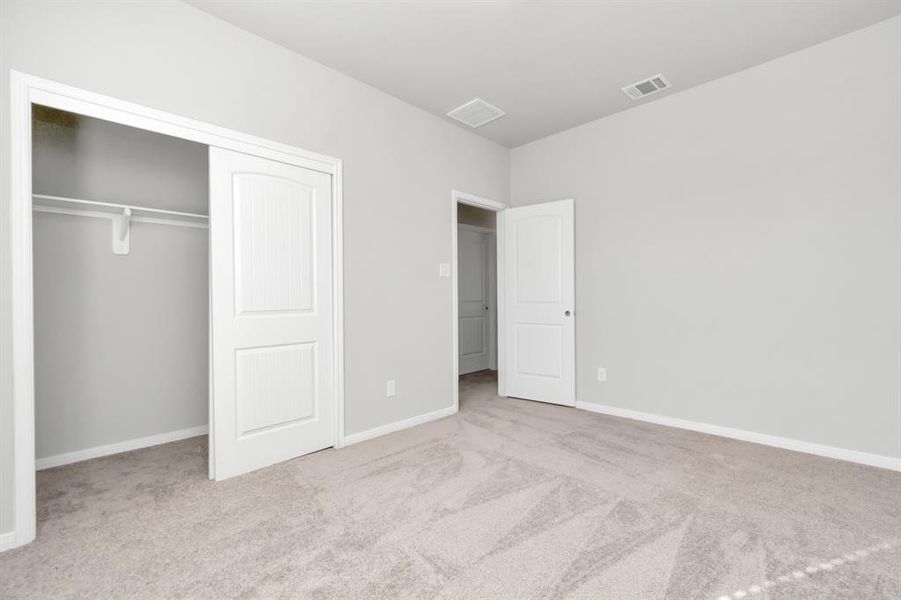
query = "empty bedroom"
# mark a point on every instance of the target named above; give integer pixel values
(490, 299)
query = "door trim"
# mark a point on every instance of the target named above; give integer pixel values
(458, 197)
(27, 89)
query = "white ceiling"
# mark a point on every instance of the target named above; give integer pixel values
(549, 65)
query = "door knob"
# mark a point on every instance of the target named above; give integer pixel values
(567, 313)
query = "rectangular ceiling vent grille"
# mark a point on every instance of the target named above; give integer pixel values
(476, 113)
(649, 86)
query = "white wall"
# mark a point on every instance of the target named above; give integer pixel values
(738, 247)
(400, 165)
(120, 341)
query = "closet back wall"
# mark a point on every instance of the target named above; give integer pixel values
(120, 341)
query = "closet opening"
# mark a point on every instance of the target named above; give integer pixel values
(121, 263)
(172, 281)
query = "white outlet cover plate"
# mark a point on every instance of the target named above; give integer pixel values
(444, 269)
(602, 374)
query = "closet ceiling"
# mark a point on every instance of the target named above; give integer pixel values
(549, 65)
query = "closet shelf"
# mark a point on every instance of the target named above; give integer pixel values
(140, 214)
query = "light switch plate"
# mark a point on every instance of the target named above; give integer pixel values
(391, 389)
(444, 270)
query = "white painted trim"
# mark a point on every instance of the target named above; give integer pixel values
(369, 434)
(478, 201)
(65, 97)
(458, 197)
(27, 89)
(87, 454)
(864, 458)
(22, 343)
(500, 284)
(7, 540)
(338, 297)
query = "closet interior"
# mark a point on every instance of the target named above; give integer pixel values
(121, 287)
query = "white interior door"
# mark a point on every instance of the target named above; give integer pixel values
(474, 299)
(271, 305)
(539, 294)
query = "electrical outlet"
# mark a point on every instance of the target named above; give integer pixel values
(391, 389)
(602, 374)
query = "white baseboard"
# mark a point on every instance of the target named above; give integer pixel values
(7, 540)
(355, 438)
(864, 458)
(89, 453)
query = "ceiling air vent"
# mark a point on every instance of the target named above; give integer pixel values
(476, 113)
(647, 87)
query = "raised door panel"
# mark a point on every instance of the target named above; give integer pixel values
(472, 272)
(539, 350)
(472, 335)
(275, 386)
(539, 259)
(274, 251)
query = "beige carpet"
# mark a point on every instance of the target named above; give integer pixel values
(508, 499)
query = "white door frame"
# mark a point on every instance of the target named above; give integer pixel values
(458, 197)
(26, 90)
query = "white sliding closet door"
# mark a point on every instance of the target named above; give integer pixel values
(539, 292)
(271, 303)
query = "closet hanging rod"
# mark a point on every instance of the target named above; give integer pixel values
(108, 210)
